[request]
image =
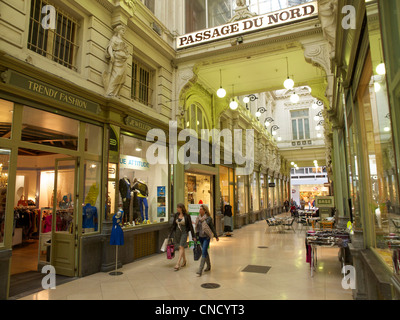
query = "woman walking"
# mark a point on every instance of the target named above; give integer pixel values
(205, 230)
(181, 225)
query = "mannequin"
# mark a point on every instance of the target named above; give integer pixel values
(117, 235)
(89, 218)
(228, 219)
(142, 192)
(125, 191)
(117, 238)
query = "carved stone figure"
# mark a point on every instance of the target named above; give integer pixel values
(117, 52)
(240, 3)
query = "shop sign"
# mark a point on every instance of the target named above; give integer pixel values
(45, 90)
(325, 202)
(133, 163)
(257, 23)
(137, 124)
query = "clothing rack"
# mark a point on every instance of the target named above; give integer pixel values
(28, 219)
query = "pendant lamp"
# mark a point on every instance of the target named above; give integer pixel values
(289, 83)
(221, 93)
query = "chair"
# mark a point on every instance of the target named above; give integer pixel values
(396, 223)
(289, 223)
(271, 223)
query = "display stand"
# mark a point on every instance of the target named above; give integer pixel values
(116, 273)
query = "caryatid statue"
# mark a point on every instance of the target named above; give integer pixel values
(117, 52)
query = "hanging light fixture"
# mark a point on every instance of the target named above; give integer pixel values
(221, 93)
(381, 69)
(233, 104)
(294, 98)
(289, 83)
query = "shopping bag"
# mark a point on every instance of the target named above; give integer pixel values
(170, 250)
(164, 245)
(197, 251)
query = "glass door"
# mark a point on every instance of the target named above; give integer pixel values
(65, 212)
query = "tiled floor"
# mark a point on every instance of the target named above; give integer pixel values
(154, 278)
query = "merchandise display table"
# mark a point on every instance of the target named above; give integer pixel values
(393, 242)
(325, 239)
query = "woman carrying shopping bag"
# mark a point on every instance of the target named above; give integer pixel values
(181, 225)
(205, 230)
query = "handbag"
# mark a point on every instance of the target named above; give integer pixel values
(170, 250)
(197, 251)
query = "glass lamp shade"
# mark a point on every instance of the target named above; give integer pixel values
(233, 105)
(294, 98)
(267, 124)
(258, 114)
(246, 99)
(274, 133)
(288, 84)
(381, 69)
(221, 93)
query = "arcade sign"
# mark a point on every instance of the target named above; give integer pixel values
(289, 15)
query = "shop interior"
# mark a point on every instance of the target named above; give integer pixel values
(33, 207)
(198, 190)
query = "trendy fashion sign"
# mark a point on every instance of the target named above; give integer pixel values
(257, 23)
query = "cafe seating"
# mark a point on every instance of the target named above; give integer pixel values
(289, 224)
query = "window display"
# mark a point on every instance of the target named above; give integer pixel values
(91, 206)
(198, 190)
(263, 192)
(243, 193)
(255, 192)
(378, 157)
(143, 187)
(4, 163)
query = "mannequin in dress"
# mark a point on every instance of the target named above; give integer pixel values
(117, 235)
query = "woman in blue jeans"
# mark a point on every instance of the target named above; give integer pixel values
(205, 230)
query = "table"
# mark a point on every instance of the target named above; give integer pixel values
(326, 239)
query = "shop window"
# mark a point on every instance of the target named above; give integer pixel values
(6, 115)
(300, 124)
(92, 203)
(45, 128)
(243, 194)
(142, 83)
(270, 193)
(59, 44)
(263, 192)
(378, 157)
(4, 167)
(226, 186)
(255, 192)
(199, 190)
(143, 187)
(93, 139)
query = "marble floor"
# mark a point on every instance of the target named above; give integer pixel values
(154, 278)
